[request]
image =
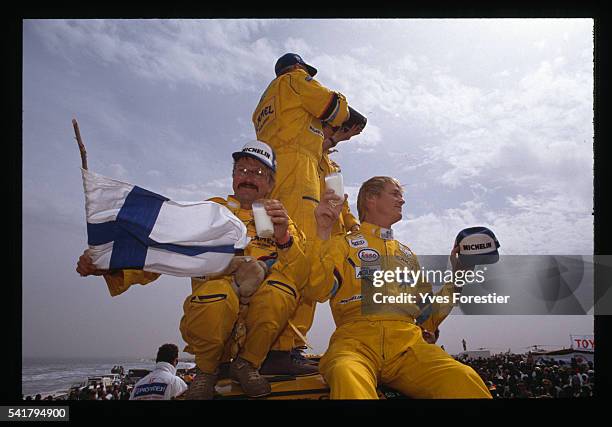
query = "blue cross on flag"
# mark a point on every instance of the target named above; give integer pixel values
(129, 227)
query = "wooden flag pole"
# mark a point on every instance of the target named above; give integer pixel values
(75, 125)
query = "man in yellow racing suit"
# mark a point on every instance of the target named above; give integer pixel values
(375, 344)
(214, 306)
(289, 117)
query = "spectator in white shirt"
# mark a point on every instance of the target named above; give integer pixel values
(162, 383)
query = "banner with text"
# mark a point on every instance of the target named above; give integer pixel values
(583, 342)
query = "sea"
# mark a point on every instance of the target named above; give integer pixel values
(48, 376)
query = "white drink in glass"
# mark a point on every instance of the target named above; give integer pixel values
(263, 222)
(335, 182)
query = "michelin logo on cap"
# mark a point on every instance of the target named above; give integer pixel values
(259, 151)
(477, 245)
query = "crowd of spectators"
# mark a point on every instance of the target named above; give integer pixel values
(526, 376)
(100, 392)
(96, 391)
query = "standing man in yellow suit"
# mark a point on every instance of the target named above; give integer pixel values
(212, 309)
(289, 117)
(372, 347)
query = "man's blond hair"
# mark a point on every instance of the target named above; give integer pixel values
(373, 186)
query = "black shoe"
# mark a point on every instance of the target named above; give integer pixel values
(224, 370)
(298, 353)
(282, 363)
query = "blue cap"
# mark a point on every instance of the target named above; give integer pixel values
(289, 59)
(477, 245)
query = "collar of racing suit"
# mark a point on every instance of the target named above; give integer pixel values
(383, 233)
(234, 205)
(165, 366)
(244, 215)
(233, 202)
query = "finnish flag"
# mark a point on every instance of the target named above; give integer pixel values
(129, 227)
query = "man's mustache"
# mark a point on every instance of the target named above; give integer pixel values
(248, 185)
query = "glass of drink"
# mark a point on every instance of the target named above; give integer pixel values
(335, 182)
(263, 222)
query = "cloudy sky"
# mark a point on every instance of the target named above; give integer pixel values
(486, 122)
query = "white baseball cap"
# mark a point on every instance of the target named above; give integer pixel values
(259, 151)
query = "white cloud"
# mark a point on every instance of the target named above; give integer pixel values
(525, 132)
(541, 44)
(367, 141)
(194, 192)
(532, 136)
(535, 136)
(298, 46)
(536, 227)
(222, 53)
(366, 51)
(502, 74)
(117, 171)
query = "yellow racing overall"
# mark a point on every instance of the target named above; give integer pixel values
(373, 346)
